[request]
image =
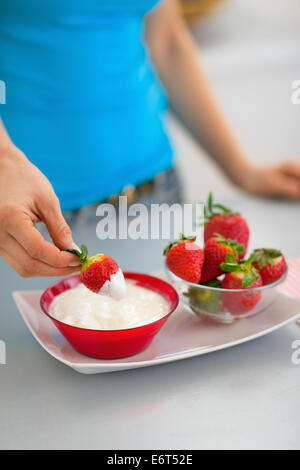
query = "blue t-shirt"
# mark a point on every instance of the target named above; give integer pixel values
(83, 101)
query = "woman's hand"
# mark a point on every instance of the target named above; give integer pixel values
(281, 180)
(26, 196)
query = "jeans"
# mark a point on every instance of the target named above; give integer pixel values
(167, 188)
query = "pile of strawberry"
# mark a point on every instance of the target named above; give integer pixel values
(222, 262)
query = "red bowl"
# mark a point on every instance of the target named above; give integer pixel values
(111, 344)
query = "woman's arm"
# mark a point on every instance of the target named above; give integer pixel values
(26, 196)
(173, 52)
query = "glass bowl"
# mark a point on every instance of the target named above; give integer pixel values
(111, 344)
(225, 305)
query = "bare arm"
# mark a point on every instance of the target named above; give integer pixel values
(26, 196)
(176, 58)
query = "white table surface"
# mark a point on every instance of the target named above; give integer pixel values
(245, 397)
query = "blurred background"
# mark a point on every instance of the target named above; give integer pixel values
(251, 52)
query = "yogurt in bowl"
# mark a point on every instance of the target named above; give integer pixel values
(104, 328)
(83, 308)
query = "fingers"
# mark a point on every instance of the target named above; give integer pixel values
(283, 186)
(278, 181)
(291, 168)
(58, 228)
(19, 225)
(18, 258)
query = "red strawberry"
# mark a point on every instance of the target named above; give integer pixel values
(215, 251)
(97, 271)
(244, 276)
(185, 258)
(220, 219)
(270, 263)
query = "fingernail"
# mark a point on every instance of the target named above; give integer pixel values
(75, 247)
(74, 263)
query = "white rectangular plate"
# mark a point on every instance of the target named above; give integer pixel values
(183, 335)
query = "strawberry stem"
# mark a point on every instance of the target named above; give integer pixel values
(82, 255)
(211, 209)
(182, 238)
(238, 248)
(264, 256)
(250, 274)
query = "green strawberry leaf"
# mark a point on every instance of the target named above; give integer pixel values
(84, 250)
(82, 255)
(272, 252)
(205, 217)
(248, 279)
(168, 248)
(231, 259)
(211, 210)
(238, 248)
(210, 203)
(224, 210)
(247, 263)
(230, 267)
(74, 252)
(191, 238)
(182, 237)
(264, 256)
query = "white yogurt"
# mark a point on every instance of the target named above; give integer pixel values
(115, 287)
(83, 308)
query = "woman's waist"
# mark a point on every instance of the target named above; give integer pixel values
(103, 184)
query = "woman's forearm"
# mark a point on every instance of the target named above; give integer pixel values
(192, 98)
(200, 112)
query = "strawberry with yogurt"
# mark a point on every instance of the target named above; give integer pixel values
(100, 273)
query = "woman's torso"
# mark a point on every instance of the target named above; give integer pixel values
(82, 98)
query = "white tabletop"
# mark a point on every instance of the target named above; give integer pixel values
(244, 397)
